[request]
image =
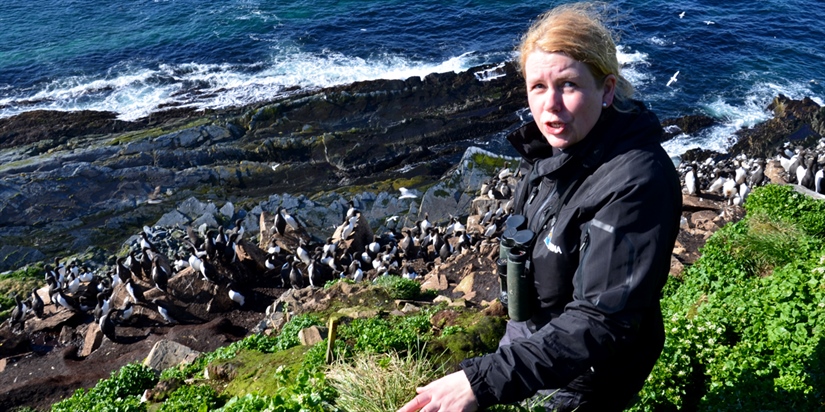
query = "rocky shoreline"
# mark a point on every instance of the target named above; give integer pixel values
(69, 181)
(85, 184)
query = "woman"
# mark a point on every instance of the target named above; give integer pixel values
(604, 201)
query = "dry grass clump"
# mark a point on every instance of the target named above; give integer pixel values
(380, 382)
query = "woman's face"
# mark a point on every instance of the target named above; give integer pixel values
(564, 97)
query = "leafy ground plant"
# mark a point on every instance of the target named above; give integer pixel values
(746, 325)
(380, 335)
(191, 398)
(120, 393)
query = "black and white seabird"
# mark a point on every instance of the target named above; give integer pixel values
(37, 304)
(135, 291)
(354, 271)
(239, 229)
(163, 310)
(107, 326)
(235, 295)
(145, 243)
(302, 253)
(348, 227)
(17, 314)
(296, 278)
(280, 223)
(445, 251)
(62, 300)
(159, 275)
(121, 272)
(490, 230)
(286, 270)
(102, 307)
(290, 221)
(127, 310)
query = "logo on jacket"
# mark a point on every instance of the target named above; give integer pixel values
(549, 244)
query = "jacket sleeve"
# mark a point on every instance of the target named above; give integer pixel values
(623, 264)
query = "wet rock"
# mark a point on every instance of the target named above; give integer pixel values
(775, 173)
(410, 308)
(689, 124)
(791, 122)
(496, 309)
(162, 390)
(228, 210)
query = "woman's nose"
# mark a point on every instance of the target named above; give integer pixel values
(553, 102)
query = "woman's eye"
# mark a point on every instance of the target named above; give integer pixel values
(567, 85)
(538, 86)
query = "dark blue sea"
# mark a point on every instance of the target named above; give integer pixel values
(137, 57)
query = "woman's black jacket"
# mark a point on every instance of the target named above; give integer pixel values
(598, 267)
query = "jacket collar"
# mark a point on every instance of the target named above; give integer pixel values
(614, 131)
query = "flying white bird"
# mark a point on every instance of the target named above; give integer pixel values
(406, 193)
(672, 79)
(682, 14)
(708, 22)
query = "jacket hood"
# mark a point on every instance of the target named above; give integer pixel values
(614, 131)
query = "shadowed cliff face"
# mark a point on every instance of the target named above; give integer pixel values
(72, 180)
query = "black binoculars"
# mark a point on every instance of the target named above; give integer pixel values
(513, 268)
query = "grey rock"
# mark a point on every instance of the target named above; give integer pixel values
(13, 257)
(194, 208)
(140, 146)
(207, 219)
(173, 218)
(228, 210)
(166, 354)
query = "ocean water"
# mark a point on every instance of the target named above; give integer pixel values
(138, 57)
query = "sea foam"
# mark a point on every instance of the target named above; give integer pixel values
(134, 92)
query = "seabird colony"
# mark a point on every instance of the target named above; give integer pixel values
(226, 261)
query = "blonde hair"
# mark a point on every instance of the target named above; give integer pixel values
(578, 30)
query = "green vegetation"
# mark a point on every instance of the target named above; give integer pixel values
(121, 392)
(490, 164)
(275, 373)
(380, 335)
(191, 398)
(398, 287)
(746, 323)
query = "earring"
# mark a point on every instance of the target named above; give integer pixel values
(604, 104)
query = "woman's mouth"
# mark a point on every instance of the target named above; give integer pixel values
(555, 127)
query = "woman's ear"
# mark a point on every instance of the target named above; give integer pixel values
(609, 88)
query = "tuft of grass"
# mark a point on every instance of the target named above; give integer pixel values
(767, 244)
(380, 383)
(398, 287)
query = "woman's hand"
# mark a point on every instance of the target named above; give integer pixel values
(451, 393)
